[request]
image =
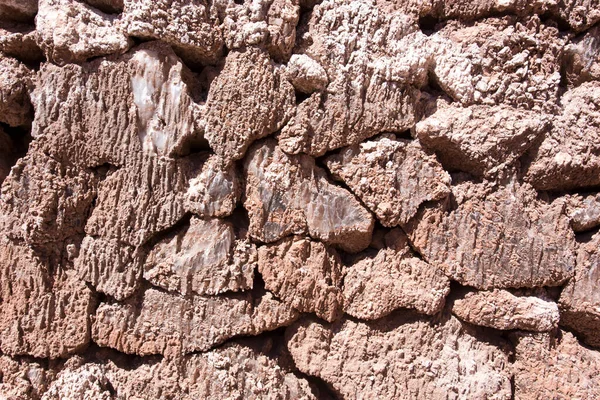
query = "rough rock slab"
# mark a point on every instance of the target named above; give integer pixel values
(248, 100)
(580, 299)
(43, 314)
(15, 79)
(481, 140)
(305, 274)
(377, 284)
(393, 177)
(555, 366)
(169, 324)
(401, 358)
(500, 309)
(110, 266)
(71, 31)
(501, 240)
(204, 258)
(45, 202)
(355, 42)
(568, 157)
(287, 194)
(509, 60)
(23, 379)
(191, 27)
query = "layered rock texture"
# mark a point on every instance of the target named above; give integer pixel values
(299, 199)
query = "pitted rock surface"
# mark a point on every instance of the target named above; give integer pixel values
(299, 199)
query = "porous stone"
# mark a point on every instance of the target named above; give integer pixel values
(288, 194)
(191, 27)
(248, 100)
(500, 309)
(15, 79)
(71, 31)
(393, 277)
(369, 90)
(402, 358)
(305, 274)
(393, 177)
(43, 313)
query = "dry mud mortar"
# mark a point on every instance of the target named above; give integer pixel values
(299, 199)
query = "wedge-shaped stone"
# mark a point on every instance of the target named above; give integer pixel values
(401, 358)
(214, 191)
(168, 324)
(191, 27)
(290, 195)
(500, 309)
(42, 314)
(480, 140)
(393, 177)
(377, 284)
(306, 275)
(205, 258)
(556, 367)
(580, 299)
(569, 158)
(371, 75)
(501, 240)
(71, 31)
(248, 100)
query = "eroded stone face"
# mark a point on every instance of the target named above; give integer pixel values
(393, 177)
(501, 240)
(169, 324)
(238, 110)
(192, 28)
(580, 299)
(437, 358)
(567, 158)
(305, 274)
(44, 314)
(555, 365)
(290, 195)
(391, 278)
(502, 310)
(205, 258)
(481, 140)
(71, 31)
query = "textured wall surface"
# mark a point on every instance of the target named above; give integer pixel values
(299, 199)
